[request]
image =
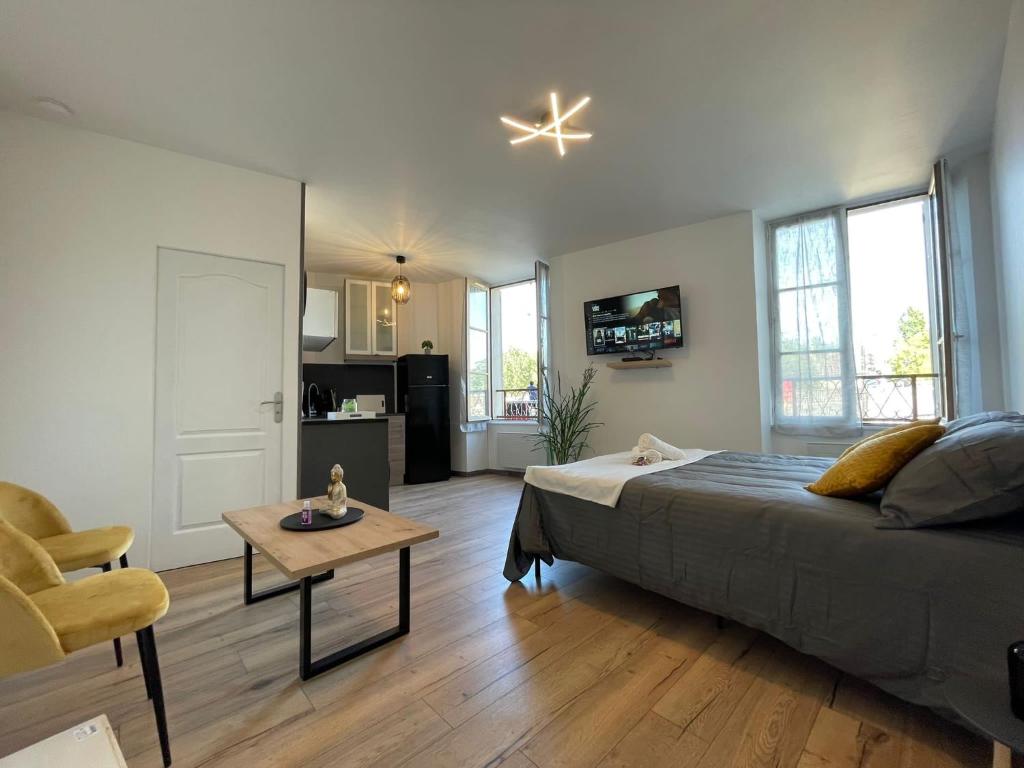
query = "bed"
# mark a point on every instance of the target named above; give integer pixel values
(736, 534)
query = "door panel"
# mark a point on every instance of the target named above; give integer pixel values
(219, 358)
(939, 215)
(212, 483)
(357, 317)
(384, 320)
(235, 309)
(427, 438)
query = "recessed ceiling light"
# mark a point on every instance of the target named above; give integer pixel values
(55, 107)
(553, 125)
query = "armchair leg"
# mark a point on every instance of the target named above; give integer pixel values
(142, 660)
(124, 561)
(151, 667)
(118, 655)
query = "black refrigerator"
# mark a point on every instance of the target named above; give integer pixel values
(423, 398)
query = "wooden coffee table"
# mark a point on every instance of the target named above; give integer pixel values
(306, 557)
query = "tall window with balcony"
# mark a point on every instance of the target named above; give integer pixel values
(856, 301)
(514, 351)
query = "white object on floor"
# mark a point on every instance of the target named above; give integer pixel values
(88, 745)
(601, 478)
(668, 451)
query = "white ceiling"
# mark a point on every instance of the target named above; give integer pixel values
(389, 109)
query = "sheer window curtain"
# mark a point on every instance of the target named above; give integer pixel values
(542, 278)
(814, 372)
(475, 358)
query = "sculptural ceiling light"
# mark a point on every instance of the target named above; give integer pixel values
(552, 125)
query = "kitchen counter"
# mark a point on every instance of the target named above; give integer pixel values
(362, 451)
(324, 420)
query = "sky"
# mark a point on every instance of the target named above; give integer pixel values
(518, 317)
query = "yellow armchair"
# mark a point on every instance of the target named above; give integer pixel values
(35, 515)
(45, 618)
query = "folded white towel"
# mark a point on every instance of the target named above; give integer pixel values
(601, 478)
(646, 457)
(669, 452)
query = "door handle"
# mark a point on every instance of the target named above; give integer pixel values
(278, 403)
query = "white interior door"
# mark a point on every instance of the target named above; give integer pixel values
(219, 359)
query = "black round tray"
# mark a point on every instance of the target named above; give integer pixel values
(321, 520)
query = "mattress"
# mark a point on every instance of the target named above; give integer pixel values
(737, 534)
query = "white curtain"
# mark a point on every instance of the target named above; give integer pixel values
(542, 276)
(474, 365)
(814, 374)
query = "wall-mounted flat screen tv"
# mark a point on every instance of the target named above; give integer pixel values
(636, 322)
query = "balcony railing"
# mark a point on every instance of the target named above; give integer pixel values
(515, 404)
(891, 397)
(880, 397)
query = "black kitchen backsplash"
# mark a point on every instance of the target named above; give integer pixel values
(351, 380)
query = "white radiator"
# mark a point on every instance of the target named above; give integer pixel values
(515, 451)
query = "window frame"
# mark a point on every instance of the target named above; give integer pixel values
(497, 348)
(827, 424)
(852, 418)
(472, 284)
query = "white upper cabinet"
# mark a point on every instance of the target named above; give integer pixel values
(370, 319)
(385, 320)
(357, 317)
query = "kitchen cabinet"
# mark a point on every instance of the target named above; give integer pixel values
(359, 445)
(320, 320)
(370, 319)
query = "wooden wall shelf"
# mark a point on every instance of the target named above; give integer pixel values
(622, 365)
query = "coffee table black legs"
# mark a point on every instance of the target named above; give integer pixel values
(251, 597)
(308, 667)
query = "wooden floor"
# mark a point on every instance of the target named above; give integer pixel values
(580, 670)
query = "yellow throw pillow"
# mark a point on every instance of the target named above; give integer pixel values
(873, 463)
(891, 431)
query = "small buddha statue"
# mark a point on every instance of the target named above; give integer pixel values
(337, 494)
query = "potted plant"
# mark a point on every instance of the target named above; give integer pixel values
(567, 423)
(427, 346)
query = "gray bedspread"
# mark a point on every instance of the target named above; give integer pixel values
(737, 534)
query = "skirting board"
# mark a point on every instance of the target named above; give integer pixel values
(477, 472)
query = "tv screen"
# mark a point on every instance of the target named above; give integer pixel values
(636, 322)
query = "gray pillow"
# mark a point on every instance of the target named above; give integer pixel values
(984, 417)
(972, 473)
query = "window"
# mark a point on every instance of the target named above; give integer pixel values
(478, 384)
(893, 312)
(514, 323)
(852, 322)
(810, 332)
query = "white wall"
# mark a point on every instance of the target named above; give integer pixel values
(1008, 207)
(416, 320)
(81, 218)
(710, 397)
